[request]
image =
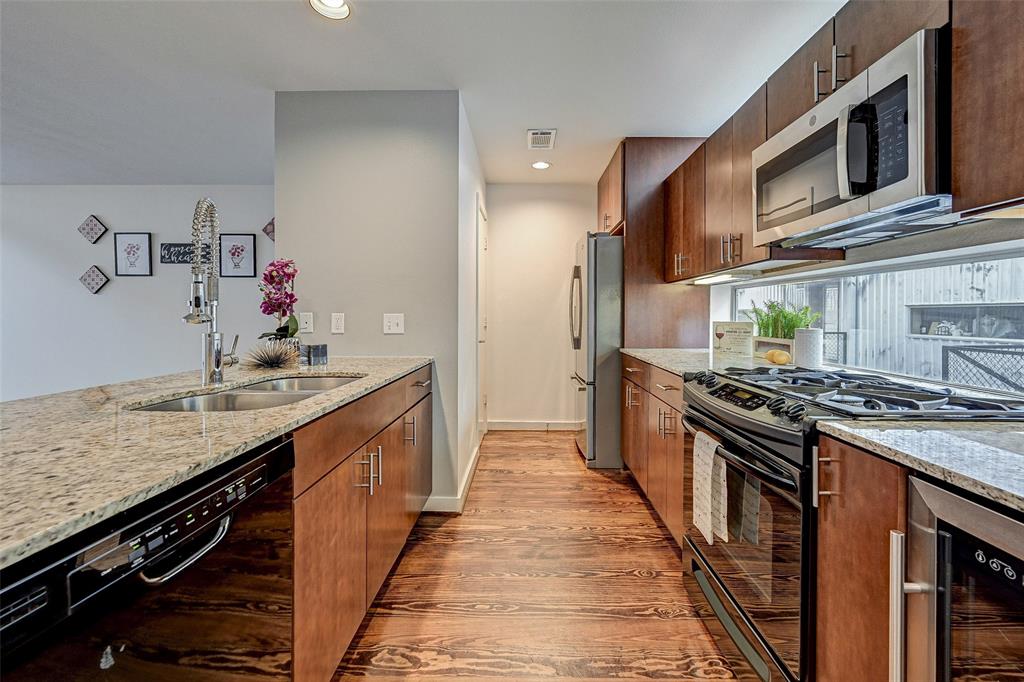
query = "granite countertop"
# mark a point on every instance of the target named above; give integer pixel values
(70, 460)
(986, 458)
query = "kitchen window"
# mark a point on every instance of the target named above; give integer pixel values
(959, 323)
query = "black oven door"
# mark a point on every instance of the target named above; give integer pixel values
(756, 552)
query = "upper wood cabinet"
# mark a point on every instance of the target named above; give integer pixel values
(988, 104)
(609, 193)
(684, 219)
(801, 82)
(865, 500)
(718, 197)
(867, 30)
(749, 131)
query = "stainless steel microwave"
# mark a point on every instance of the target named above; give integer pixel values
(867, 164)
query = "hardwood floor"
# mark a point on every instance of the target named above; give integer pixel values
(552, 571)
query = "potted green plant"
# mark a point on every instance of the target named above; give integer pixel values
(776, 325)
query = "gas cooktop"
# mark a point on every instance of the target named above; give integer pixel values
(861, 395)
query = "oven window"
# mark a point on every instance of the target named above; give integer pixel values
(984, 600)
(755, 551)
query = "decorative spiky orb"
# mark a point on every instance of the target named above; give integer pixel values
(271, 354)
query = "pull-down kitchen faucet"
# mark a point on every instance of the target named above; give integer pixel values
(205, 292)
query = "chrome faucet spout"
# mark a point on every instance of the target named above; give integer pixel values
(205, 292)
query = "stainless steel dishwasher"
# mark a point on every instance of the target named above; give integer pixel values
(195, 584)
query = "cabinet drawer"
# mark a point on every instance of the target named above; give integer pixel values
(323, 444)
(667, 387)
(417, 385)
(636, 371)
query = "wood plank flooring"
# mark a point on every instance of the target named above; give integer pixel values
(552, 571)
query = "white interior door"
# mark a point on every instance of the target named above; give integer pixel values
(481, 317)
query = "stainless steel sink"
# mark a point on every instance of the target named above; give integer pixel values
(301, 384)
(229, 401)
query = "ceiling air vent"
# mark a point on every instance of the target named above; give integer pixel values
(540, 138)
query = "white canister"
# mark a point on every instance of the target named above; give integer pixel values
(808, 347)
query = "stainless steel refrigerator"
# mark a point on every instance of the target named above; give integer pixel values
(595, 327)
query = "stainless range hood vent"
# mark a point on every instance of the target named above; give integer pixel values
(540, 138)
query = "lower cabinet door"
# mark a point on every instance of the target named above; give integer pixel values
(418, 464)
(626, 416)
(676, 440)
(330, 569)
(386, 515)
(657, 472)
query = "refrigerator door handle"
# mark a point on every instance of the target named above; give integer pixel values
(575, 307)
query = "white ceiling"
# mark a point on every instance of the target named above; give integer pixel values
(182, 92)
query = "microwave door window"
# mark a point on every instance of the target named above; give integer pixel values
(800, 182)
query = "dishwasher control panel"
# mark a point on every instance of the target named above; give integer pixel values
(165, 535)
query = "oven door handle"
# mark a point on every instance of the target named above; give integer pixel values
(776, 479)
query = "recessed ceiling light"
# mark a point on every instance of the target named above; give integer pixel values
(332, 9)
(541, 165)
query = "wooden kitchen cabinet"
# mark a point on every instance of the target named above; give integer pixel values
(867, 30)
(675, 454)
(386, 511)
(418, 434)
(749, 131)
(718, 196)
(609, 193)
(330, 569)
(634, 435)
(865, 500)
(684, 219)
(792, 88)
(988, 104)
(657, 455)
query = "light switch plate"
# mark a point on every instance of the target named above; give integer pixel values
(337, 323)
(305, 323)
(394, 323)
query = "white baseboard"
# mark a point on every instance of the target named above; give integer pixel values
(533, 426)
(450, 503)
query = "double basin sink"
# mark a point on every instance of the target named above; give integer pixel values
(269, 393)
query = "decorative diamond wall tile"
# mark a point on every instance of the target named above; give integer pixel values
(92, 229)
(93, 279)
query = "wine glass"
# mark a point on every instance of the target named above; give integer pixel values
(719, 335)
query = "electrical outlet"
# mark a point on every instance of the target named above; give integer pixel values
(305, 323)
(394, 323)
(337, 323)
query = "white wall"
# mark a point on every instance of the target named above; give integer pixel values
(56, 336)
(533, 232)
(368, 204)
(471, 190)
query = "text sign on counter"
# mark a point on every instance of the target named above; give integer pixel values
(733, 339)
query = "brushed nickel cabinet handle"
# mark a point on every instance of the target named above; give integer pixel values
(413, 423)
(422, 384)
(836, 56)
(667, 388)
(661, 425)
(682, 264)
(380, 466)
(816, 494)
(632, 369)
(364, 462)
(721, 250)
(817, 71)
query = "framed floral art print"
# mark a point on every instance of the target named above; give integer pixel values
(132, 254)
(237, 255)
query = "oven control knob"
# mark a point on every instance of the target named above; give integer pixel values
(699, 376)
(710, 380)
(776, 405)
(796, 412)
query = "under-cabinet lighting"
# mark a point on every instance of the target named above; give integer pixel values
(724, 277)
(332, 9)
(541, 165)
